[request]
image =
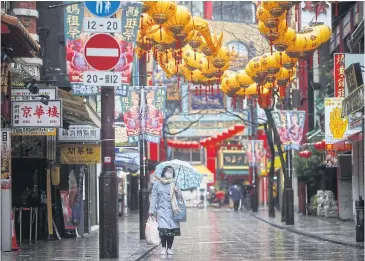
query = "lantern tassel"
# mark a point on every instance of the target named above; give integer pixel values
(178, 82)
(161, 32)
(281, 58)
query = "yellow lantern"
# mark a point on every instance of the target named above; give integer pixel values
(187, 32)
(146, 23)
(268, 32)
(162, 36)
(178, 20)
(323, 31)
(298, 47)
(147, 5)
(284, 40)
(243, 79)
(273, 62)
(262, 72)
(221, 58)
(161, 11)
(284, 76)
(196, 40)
(250, 91)
(231, 84)
(273, 22)
(207, 69)
(287, 61)
(314, 41)
(273, 7)
(262, 14)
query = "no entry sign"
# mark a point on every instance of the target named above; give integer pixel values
(102, 52)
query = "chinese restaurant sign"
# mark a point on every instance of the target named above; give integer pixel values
(80, 153)
(339, 75)
(76, 39)
(154, 113)
(5, 159)
(255, 151)
(36, 114)
(79, 133)
(290, 126)
(21, 94)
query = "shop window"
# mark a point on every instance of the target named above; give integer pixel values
(234, 11)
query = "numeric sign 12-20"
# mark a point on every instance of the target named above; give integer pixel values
(102, 25)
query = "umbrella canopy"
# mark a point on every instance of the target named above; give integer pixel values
(186, 176)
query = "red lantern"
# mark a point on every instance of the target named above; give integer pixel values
(203, 142)
(226, 135)
(305, 154)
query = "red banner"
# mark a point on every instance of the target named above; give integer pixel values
(339, 75)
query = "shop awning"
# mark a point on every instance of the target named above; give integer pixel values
(15, 36)
(208, 176)
(235, 172)
(76, 111)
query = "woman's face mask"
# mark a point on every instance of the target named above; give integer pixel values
(169, 174)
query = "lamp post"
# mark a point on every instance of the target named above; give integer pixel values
(254, 199)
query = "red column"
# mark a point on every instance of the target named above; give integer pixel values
(208, 10)
(153, 151)
(212, 161)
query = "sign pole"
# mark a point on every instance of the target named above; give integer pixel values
(143, 172)
(108, 181)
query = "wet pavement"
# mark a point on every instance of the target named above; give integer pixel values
(221, 234)
(330, 229)
(209, 234)
(87, 248)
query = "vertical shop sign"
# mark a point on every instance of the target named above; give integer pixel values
(5, 159)
(339, 75)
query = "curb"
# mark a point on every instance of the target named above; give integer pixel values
(146, 253)
(308, 234)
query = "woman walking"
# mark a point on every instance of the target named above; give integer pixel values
(163, 201)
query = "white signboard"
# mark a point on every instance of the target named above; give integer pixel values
(21, 94)
(36, 114)
(102, 78)
(312, 11)
(102, 25)
(79, 133)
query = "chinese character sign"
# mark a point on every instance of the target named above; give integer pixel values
(339, 75)
(155, 108)
(131, 114)
(36, 114)
(335, 125)
(255, 151)
(80, 153)
(289, 125)
(5, 158)
(79, 133)
(130, 20)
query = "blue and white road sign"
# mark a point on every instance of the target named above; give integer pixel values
(102, 8)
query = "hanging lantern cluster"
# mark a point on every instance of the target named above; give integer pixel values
(214, 140)
(182, 45)
(276, 69)
(183, 144)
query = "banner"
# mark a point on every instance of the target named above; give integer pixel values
(5, 159)
(75, 39)
(335, 126)
(36, 114)
(153, 107)
(80, 153)
(67, 211)
(339, 74)
(79, 133)
(154, 113)
(255, 151)
(289, 125)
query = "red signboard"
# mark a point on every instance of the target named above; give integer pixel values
(339, 75)
(102, 52)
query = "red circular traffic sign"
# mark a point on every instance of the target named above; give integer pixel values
(102, 52)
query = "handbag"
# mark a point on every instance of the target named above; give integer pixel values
(181, 216)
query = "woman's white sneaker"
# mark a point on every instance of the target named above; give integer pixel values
(169, 252)
(163, 251)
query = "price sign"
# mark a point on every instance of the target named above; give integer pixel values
(102, 25)
(100, 78)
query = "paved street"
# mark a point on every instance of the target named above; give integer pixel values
(212, 234)
(226, 235)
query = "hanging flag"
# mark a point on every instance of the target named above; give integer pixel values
(255, 151)
(289, 125)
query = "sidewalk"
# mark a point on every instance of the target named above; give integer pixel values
(331, 230)
(87, 248)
